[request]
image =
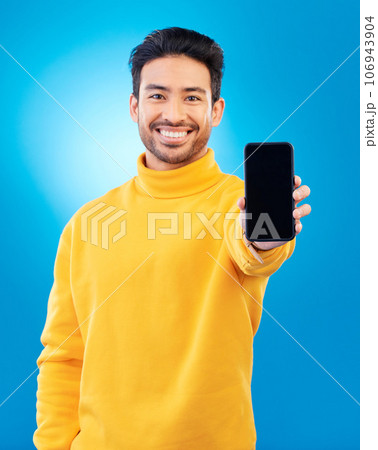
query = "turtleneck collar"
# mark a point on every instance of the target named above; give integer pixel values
(184, 181)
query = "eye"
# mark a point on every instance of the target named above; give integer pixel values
(156, 96)
(193, 98)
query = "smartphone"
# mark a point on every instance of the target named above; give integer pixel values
(269, 186)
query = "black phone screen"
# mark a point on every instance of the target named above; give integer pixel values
(269, 184)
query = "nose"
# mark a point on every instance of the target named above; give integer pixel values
(174, 111)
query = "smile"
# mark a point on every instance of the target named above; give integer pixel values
(173, 134)
(172, 137)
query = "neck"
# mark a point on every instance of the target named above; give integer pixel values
(154, 163)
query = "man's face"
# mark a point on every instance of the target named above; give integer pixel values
(174, 111)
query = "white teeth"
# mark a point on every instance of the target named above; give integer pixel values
(173, 134)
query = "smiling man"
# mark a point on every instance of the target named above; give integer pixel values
(149, 335)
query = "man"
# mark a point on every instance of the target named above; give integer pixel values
(149, 335)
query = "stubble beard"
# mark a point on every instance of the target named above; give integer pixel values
(175, 154)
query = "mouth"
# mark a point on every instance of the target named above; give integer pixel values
(173, 135)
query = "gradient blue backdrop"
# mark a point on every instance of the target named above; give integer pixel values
(276, 54)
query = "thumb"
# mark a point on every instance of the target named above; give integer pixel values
(241, 203)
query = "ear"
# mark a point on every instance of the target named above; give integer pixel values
(134, 108)
(217, 112)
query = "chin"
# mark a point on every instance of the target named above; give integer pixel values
(173, 154)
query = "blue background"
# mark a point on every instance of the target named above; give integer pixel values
(276, 54)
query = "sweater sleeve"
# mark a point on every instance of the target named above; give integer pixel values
(60, 362)
(242, 256)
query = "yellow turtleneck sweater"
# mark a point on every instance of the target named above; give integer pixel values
(151, 318)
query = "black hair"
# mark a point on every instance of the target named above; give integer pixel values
(179, 41)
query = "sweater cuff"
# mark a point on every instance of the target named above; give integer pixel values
(272, 259)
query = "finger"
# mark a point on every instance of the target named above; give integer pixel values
(241, 203)
(298, 228)
(301, 211)
(301, 193)
(297, 181)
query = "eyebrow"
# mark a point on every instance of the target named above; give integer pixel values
(152, 87)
